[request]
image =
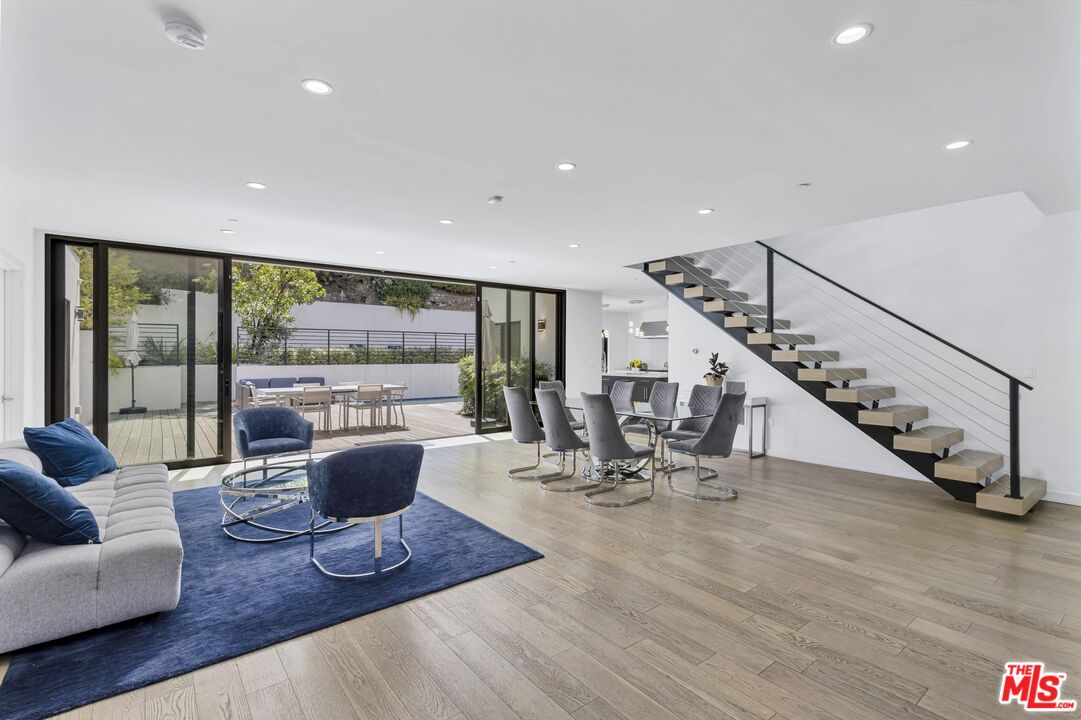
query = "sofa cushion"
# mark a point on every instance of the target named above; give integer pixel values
(37, 506)
(68, 452)
(18, 452)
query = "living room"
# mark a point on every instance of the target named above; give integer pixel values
(618, 361)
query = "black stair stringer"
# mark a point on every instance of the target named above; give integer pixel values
(924, 463)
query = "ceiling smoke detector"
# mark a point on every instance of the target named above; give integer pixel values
(185, 33)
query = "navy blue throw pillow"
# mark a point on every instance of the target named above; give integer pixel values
(68, 452)
(36, 506)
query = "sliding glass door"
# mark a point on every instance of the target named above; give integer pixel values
(137, 350)
(519, 343)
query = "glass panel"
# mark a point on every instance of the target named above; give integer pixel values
(493, 358)
(78, 345)
(164, 348)
(546, 344)
(518, 330)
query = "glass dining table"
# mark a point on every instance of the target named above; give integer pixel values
(642, 411)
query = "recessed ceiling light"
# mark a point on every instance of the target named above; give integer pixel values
(227, 231)
(566, 166)
(495, 199)
(803, 185)
(316, 86)
(705, 211)
(512, 261)
(957, 144)
(446, 221)
(635, 302)
(256, 185)
(491, 267)
(574, 245)
(380, 252)
(852, 34)
(231, 220)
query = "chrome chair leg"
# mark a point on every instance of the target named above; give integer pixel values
(726, 493)
(616, 483)
(546, 483)
(517, 473)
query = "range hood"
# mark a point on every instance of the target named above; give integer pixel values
(653, 330)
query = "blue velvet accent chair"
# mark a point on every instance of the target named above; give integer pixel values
(366, 484)
(282, 382)
(317, 379)
(262, 432)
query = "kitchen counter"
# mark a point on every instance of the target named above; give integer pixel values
(638, 374)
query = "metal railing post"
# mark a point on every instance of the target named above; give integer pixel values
(403, 347)
(1015, 439)
(435, 342)
(769, 290)
(285, 347)
(367, 347)
(328, 346)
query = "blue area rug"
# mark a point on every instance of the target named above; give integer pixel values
(238, 597)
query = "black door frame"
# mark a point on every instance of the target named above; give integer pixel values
(56, 369)
(478, 345)
(54, 277)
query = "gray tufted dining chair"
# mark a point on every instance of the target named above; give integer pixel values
(612, 451)
(557, 385)
(561, 439)
(524, 430)
(662, 401)
(715, 442)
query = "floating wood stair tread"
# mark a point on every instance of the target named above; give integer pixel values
(664, 266)
(930, 439)
(969, 466)
(993, 497)
(678, 278)
(893, 415)
(733, 306)
(749, 321)
(832, 374)
(860, 393)
(806, 356)
(702, 292)
(779, 339)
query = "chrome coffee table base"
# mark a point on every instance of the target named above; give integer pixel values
(279, 487)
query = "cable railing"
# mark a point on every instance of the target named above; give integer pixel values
(334, 346)
(956, 385)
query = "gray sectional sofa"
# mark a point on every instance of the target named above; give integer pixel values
(51, 591)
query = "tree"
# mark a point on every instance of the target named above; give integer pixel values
(409, 296)
(263, 296)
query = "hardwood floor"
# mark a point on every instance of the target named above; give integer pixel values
(161, 435)
(819, 594)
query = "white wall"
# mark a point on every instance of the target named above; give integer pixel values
(23, 321)
(583, 342)
(379, 317)
(994, 276)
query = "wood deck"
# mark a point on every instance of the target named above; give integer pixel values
(820, 594)
(161, 436)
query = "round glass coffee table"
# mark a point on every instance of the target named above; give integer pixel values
(249, 496)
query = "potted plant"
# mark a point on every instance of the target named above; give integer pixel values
(635, 364)
(717, 371)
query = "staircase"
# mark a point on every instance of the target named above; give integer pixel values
(971, 475)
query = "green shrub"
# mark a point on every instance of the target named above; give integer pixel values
(495, 376)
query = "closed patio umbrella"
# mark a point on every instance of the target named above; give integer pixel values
(132, 357)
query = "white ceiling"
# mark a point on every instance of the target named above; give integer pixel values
(112, 131)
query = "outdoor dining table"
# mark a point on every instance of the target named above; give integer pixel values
(290, 392)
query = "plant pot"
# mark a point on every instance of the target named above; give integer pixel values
(713, 380)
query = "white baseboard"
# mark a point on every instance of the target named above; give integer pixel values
(1063, 497)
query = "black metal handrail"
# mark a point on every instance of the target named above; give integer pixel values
(306, 346)
(1015, 383)
(831, 281)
